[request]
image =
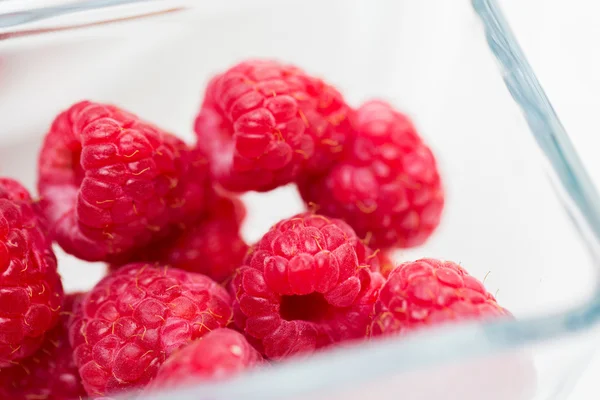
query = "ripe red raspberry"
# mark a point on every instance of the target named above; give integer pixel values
(220, 354)
(386, 263)
(386, 186)
(211, 246)
(31, 293)
(111, 182)
(428, 292)
(135, 318)
(263, 121)
(302, 287)
(50, 373)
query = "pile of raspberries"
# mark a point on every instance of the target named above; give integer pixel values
(186, 300)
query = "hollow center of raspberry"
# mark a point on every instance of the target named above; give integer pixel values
(78, 172)
(310, 307)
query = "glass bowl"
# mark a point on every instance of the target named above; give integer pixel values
(521, 213)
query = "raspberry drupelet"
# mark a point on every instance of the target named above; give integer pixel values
(263, 122)
(305, 285)
(386, 185)
(133, 319)
(31, 292)
(111, 183)
(218, 355)
(50, 373)
(429, 292)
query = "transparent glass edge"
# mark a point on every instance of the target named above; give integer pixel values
(15, 17)
(543, 121)
(576, 189)
(16, 22)
(460, 342)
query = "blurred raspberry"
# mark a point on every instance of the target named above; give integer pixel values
(137, 317)
(430, 292)
(218, 355)
(386, 186)
(386, 263)
(211, 246)
(50, 373)
(31, 293)
(302, 287)
(263, 121)
(111, 183)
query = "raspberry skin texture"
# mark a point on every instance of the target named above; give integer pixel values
(429, 292)
(263, 122)
(50, 373)
(111, 182)
(302, 287)
(386, 186)
(133, 319)
(218, 355)
(212, 246)
(31, 292)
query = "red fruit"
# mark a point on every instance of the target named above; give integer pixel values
(218, 355)
(50, 373)
(135, 318)
(211, 246)
(263, 121)
(386, 186)
(429, 292)
(111, 183)
(386, 263)
(31, 293)
(302, 287)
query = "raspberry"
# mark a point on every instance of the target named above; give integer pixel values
(111, 182)
(218, 355)
(386, 263)
(263, 121)
(135, 318)
(50, 373)
(31, 293)
(212, 246)
(302, 287)
(430, 292)
(386, 186)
